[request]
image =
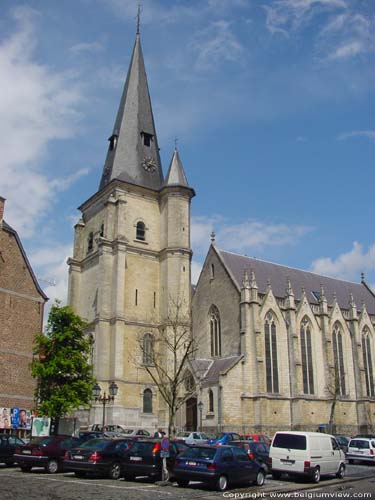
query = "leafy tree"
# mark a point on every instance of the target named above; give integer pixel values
(61, 364)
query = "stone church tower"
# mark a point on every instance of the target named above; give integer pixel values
(132, 255)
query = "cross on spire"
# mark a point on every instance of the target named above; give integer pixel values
(139, 17)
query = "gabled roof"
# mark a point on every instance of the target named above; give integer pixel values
(128, 158)
(9, 229)
(277, 275)
(220, 366)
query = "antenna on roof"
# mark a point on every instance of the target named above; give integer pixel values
(139, 17)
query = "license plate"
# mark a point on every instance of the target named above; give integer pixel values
(78, 457)
(26, 452)
(193, 464)
(136, 459)
(287, 462)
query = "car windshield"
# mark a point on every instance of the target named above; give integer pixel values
(290, 441)
(358, 443)
(128, 431)
(42, 441)
(202, 453)
(183, 434)
(95, 444)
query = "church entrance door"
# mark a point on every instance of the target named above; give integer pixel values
(191, 414)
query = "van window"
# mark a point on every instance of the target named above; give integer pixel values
(335, 445)
(290, 441)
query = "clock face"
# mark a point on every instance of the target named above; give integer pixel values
(149, 164)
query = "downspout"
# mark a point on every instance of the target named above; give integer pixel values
(219, 413)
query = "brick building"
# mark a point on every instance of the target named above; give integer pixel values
(21, 315)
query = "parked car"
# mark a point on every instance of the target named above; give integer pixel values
(100, 456)
(261, 438)
(343, 442)
(192, 437)
(224, 438)
(309, 454)
(144, 459)
(362, 450)
(137, 432)
(110, 430)
(218, 466)
(47, 452)
(87, 435)
(255, 450)
(8, 444)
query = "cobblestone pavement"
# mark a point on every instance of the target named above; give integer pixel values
(37, 485)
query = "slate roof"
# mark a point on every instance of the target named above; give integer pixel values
(176, 174)
(134, 119)
(311, 282)
(200, 366)
(9, 229)
(219, 367)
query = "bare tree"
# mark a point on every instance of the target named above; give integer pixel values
(166, 360)
(334, 390)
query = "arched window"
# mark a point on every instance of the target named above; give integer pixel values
(147, 401)
(212, 271)
(338, 358)
(148, 349)
(210, 401)
(215, 331)
(367, 362)
(141, 231)
(306, 356)
(189, 382)
(272, 375)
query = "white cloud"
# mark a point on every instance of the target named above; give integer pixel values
(37, 105)
(348, 265)
(80, 48)
(369, 134)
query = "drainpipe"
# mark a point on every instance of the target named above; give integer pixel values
(219, 415)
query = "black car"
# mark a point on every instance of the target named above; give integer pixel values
(87, 435)
(144, 459)
(218, 466)
(47, 452)
(8, 444)
(98, 456)
(256, 451)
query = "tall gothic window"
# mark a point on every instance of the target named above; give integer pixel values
(210, 401)
(215, 332)
(141, 231)
(306, 356)
(338, 358)
(367, 362)
(272, 375)
(147, 401)
(147, 349)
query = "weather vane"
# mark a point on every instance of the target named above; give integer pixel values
(139, 17)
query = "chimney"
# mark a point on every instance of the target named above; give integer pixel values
(2, 204)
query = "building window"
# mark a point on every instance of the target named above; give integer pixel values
(212, 271)
(136, 297)
(189, 382)
(90, 242)
(215, 332)
(210, 401)
(141, 231)
(338, 358)
(147, 401)
(367, 362)
(147, 138)
(272, 375)
(148, 349)
(102, 230)
(306, 356)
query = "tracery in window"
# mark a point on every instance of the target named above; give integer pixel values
(306, 356)
(367, 362)
(215, 331)
(338, 358)
(270, 337)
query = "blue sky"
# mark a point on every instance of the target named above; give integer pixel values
(272, 101)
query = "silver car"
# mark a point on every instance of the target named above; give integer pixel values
(192, 437)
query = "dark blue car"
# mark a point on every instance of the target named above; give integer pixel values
(224, 438)
(218, 466)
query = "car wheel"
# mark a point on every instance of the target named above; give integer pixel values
(52, 466)
(276, 475)
(25, 468)
(259, 480)
(115, 471)
(315, 477)
(182, 483)
(222, 483)
(341, 472)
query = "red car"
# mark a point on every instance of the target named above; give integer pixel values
(260, 438)
(47, 452)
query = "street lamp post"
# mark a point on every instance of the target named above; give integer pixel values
(200, 408)
(104, 399)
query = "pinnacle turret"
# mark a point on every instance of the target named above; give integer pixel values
(176, 174)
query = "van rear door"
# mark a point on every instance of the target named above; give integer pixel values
(288, 452)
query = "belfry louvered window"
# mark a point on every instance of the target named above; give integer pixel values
(215, 332)
(270, 337)
(306, 357)
(338, 358)
(367, 362)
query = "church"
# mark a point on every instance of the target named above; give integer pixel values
(276, 347)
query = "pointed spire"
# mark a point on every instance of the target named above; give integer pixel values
(352, 307)
(176, 174)
(289, 289)
(253, 281)
(133, 153)
(323, 304)
(245, 280)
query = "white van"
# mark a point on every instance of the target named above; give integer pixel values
(311, 454)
